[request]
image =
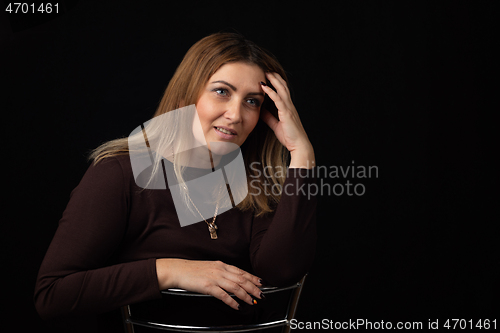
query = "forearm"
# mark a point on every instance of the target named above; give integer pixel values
(287, 263)
(62, 293)
(283, 249)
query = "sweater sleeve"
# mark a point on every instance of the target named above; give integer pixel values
(283, 245)
(74, 278)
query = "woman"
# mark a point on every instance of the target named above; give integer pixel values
(119, 243)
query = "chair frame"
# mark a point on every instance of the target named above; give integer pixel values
(130, 321)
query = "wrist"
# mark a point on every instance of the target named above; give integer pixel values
(165, 273)
(303, 158)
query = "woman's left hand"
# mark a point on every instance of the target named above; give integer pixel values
(288, 129)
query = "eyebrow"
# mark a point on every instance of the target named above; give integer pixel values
(234, 88)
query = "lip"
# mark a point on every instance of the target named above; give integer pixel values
(223, 135)
(228, 129)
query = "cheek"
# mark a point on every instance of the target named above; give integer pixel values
(204, 115)
(250, 125)
(254, 119)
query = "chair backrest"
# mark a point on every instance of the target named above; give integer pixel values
(130, 320)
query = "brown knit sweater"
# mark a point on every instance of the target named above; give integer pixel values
(103, 254)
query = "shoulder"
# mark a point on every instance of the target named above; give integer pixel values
(114, 163)
(114, 170)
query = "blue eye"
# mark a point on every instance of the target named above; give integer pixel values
(254, 102)
(221, 91)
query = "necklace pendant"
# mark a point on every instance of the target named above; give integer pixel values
(212, 228)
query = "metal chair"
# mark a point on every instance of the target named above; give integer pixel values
(130, 321)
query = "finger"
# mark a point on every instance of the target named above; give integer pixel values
(280, 104)
(233, 287)
(278, 82)
(281, 88)
(238, 271)
(243, 286)
(281, 80)
(254, 279)
(219, 293)
(269, 119)
(246, 283)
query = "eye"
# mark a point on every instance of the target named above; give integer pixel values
(253, 102)
(221, 91)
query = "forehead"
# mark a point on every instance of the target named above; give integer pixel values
(239, 72)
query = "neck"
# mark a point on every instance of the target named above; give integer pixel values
(200, 158)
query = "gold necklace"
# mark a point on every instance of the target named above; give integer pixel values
(212, 227)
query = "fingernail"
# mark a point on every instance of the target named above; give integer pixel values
(260, 281)
(263, 83)
(239, 307)
(262, 295)
(254, 301)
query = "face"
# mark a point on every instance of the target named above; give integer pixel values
(228, 108)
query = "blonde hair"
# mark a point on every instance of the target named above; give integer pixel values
(201, 61)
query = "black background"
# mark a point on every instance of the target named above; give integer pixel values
(398, 85)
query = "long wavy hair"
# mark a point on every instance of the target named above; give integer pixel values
(201, 61)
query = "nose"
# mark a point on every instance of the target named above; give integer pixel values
(233, 112)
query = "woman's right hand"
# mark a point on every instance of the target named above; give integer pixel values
(210, 278)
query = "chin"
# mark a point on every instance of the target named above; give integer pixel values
(223, 148)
